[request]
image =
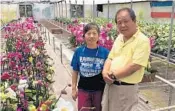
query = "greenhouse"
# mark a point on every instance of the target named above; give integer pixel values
(40, 40)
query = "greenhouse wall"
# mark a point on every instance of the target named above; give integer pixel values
(138, 8)
(68, 10)
(88, 10)
(142, 10)
(50, 11)
(43, 11)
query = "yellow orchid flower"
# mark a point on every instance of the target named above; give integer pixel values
(49, 77)
(51, 68)
(52, 97)
(43, 107)
(30, 59)
(32, 108)
(2, 88)
(3, 96)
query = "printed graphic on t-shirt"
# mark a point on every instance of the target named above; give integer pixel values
(90, 66)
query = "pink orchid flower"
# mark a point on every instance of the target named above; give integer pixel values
(40, 82)
(5, 76)
(109, 25)
(12, 64)
(79, 39)
(152, 41)
(103, 35)
(26, 50)
(13, 87)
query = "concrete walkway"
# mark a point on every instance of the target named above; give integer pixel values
(62, 76)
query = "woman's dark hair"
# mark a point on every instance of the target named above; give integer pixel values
(130, 11)
(90, 26)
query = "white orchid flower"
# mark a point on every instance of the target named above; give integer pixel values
(34, 51)
(10, 93)
(22, 84)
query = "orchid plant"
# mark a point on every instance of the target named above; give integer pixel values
(26, 73)
(106, 39)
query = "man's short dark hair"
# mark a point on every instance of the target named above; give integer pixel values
(129, 10)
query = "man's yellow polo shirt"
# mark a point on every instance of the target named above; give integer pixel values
(135, 50)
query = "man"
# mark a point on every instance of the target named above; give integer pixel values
(125, 65)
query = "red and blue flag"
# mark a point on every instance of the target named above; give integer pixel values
(161, 9)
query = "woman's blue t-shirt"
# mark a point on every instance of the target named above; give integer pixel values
(89, 63)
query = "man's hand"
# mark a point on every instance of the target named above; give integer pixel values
(107, 78)
(74, 94)
(126, 71)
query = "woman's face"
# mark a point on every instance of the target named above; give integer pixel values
(91, 37)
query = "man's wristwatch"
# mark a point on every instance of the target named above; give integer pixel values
(112, 76)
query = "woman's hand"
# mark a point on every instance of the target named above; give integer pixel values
(74, 94)
(107, 78)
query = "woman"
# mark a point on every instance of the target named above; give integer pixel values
(88, 63)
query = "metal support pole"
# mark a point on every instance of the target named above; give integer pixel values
(170, 97)
(59, 10)
(45, 34)
(170, 37)
(83, 13)
(171, 90)
(61, 53)
(76, 9)
(49, 37)
(165, 81)
(168, 55)
(66, 13)
(56, 10)
(62, 13)
(54, 5)
(40, 28)
(25, 10)
(66, 8)
(165, 108)
(70, 9)
(93, 10)
(54, 44)
(131, 4)
(17, 11)
(108, 11)
(62, 9)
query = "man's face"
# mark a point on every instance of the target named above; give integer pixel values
(125, 24)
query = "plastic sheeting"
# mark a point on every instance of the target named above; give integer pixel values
(79, 1)
(101, 1)
(43, 11)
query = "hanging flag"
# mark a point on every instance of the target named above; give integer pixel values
(161, 9)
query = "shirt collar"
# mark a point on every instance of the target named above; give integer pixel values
(131, 39)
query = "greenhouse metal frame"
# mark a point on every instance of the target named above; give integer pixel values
(58, 4)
